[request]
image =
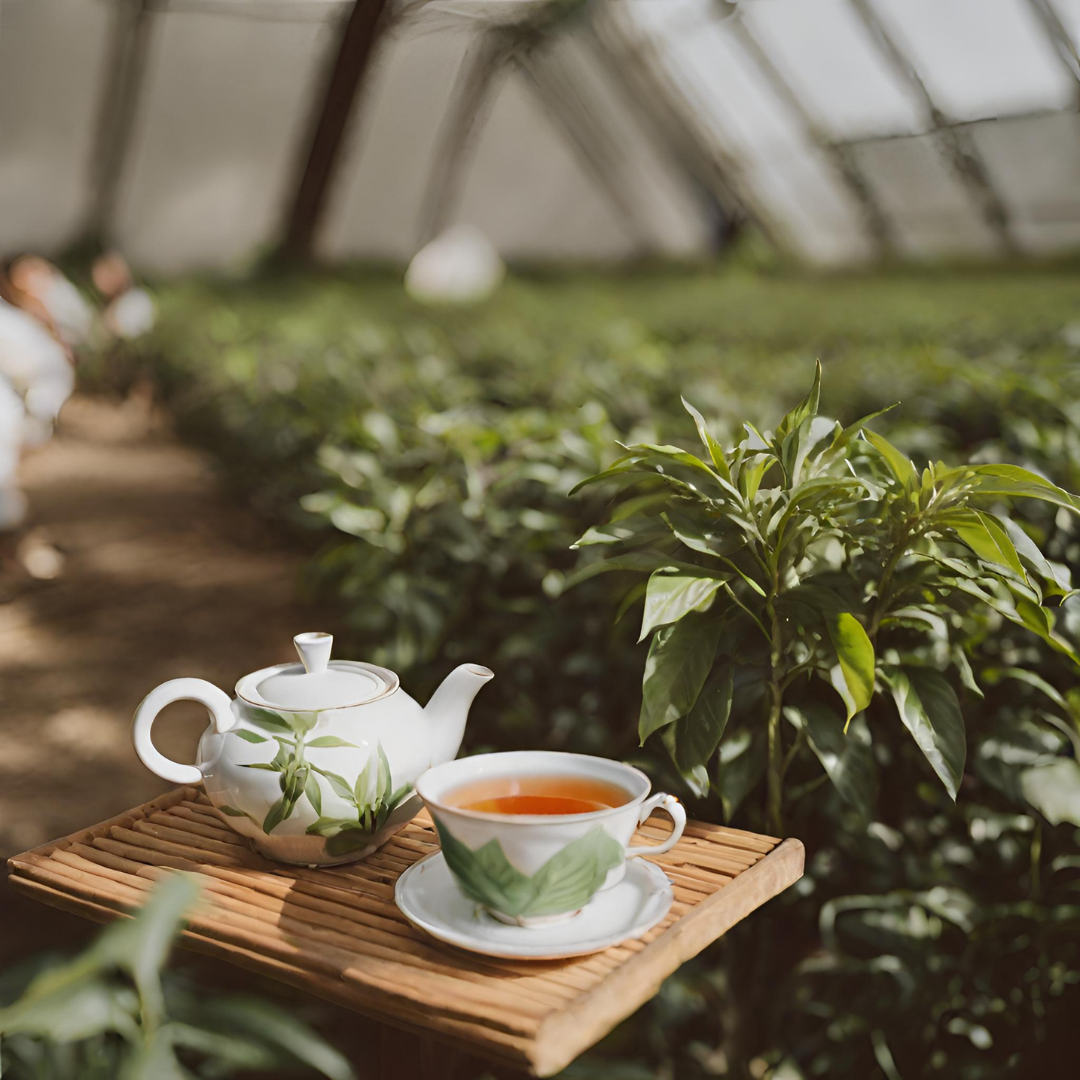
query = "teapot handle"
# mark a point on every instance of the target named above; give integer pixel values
(206, 693)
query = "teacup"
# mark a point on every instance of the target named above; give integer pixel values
(536, 869)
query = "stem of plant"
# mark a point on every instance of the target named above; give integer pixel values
(775, 764)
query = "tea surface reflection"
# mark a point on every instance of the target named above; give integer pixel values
(538, 795)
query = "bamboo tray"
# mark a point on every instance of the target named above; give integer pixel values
(337, 933)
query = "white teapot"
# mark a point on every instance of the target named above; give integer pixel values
(314, 762)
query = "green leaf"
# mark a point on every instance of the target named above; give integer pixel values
(705, 539)
(70, 1001)
(1016, 482)
(1033, 679)
(283, 756)
(302, 722)
(73, 1010)
(142, 945)
(845, 755)
(486, 875)
(329, 740)
(899, 465)
(985, 536)
(569, 878)
(1054, 790)
(635, 593)
(398, 796)
(671, 595)
(750, 476)
(642, 561)
(716, 451)
(362, 790)
(154, 1058)
(328, 826)
(930, 711)
(610, 533)
(353, 838)
(844, 436)
(680, 658)
(740, 767)
(564, 883)
(264, 765)
(383, 784)
(313, 792)
(232, 811)
(1055, 577)
(804, 410)
(856, 656)
(698, 734)
(276, 815)
(341, 786)
(266, 1022)
(268, 721)
(249, 736)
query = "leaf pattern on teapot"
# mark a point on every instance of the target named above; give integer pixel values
(372, 796)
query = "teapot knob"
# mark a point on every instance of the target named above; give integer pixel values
(314, 649)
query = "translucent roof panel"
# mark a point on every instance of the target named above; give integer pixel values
(980, 60)
(218, 136)
(780, 170)
(1043, 203)
(928, 208)
(609, 130)
(555, 159)
(528, 192)
(657, 194)
(393, 141)
(51, 64)
(831, 60)
(1068, 11)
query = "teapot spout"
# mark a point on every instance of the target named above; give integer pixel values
(448, 709)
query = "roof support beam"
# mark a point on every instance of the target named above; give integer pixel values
(591, 143)
(669, 133)
(125, 68)
(1063, 45)
(875, 218)
(714, 163)
(471, 98)
(963, 155)
(361, 28)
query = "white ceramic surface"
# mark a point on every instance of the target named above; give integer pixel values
(429, 898)
(564, 858)
(314, 762)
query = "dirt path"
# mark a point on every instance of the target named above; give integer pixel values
(159, 575)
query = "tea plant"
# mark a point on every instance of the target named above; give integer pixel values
(817, 556)
(436, 447)
(106, 1014)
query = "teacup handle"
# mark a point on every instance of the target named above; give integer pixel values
(217, 701)
(674, 809)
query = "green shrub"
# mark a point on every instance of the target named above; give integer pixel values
(108, 1015)
(426, 455)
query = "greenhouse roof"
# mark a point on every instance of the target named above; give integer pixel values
(847, 130)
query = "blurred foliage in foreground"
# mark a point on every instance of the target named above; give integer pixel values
(107, 1015)
(427, 454)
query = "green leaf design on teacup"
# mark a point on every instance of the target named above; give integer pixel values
(565, 882)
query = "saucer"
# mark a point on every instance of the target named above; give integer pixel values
(429, 898)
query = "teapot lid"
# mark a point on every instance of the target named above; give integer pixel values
(316, 683)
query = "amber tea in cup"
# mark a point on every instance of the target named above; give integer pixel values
(538, 795)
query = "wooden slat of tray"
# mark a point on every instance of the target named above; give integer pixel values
(338, 934)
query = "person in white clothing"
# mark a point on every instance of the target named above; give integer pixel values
(36, 378)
